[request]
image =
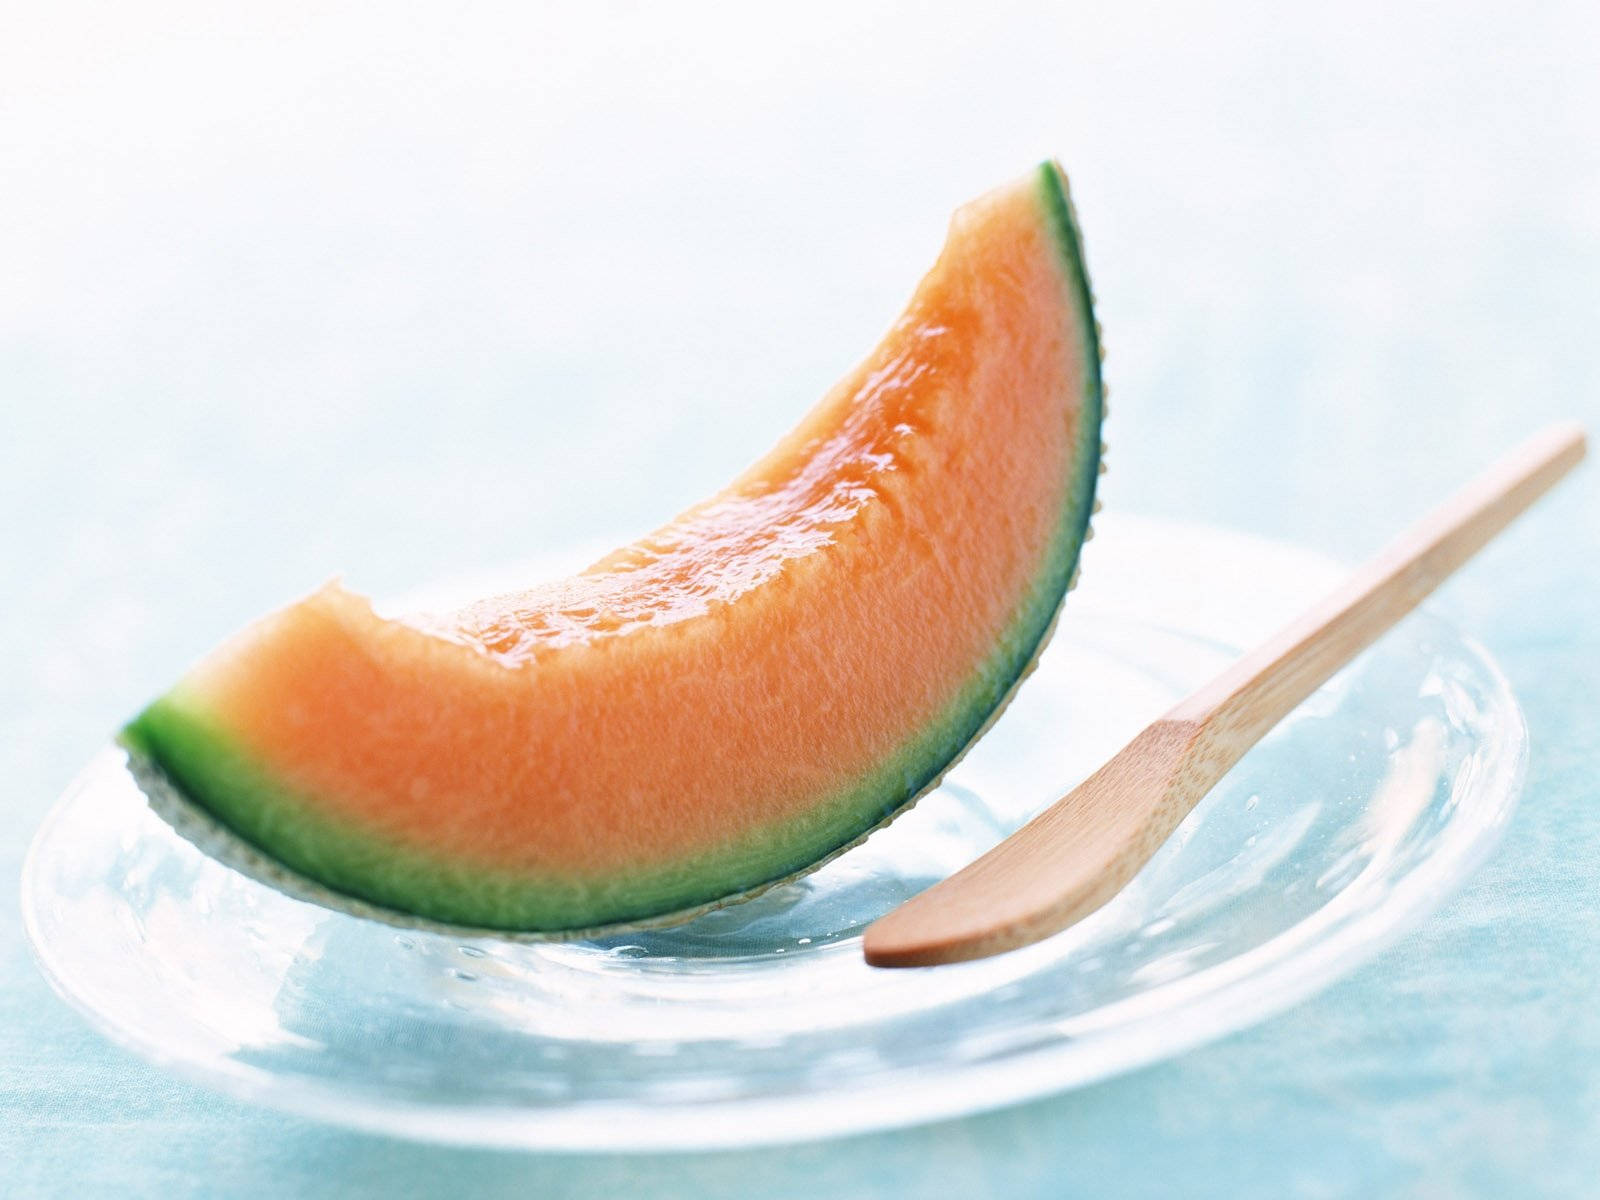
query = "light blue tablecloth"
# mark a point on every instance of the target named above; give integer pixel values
(399, 294)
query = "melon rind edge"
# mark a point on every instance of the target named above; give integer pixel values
(217, 841)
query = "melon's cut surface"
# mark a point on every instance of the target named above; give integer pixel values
(724, 703)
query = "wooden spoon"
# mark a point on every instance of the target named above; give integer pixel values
(1083, 849)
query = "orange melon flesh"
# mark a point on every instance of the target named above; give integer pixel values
(724, 703)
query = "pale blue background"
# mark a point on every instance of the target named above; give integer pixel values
(403, 292)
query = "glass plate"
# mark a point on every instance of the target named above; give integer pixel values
(760, 1023)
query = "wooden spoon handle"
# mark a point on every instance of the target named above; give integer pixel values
(1242, 704)
(1079, 852)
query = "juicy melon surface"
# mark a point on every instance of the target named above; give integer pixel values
(727, 701)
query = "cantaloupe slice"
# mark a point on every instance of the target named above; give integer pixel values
(719, 706)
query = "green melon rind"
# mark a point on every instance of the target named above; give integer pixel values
(177, 756)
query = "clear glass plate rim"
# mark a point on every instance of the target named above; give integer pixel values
(1221, 999)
